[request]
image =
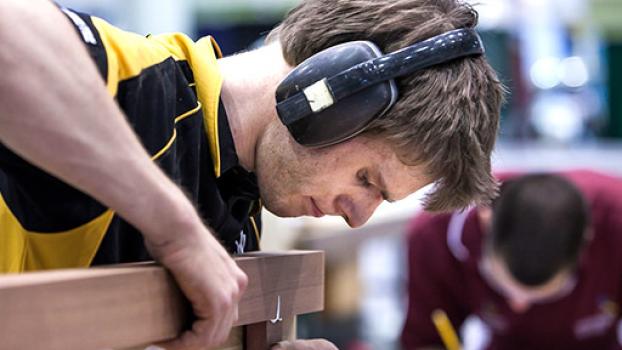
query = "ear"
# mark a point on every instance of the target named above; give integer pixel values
(306, 101)
(484, 215)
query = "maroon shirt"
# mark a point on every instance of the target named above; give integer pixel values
(444, 252)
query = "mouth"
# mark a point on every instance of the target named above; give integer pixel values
(316, 212)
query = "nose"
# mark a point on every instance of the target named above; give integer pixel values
(359, 210)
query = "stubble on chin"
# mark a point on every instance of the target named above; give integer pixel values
(276, 171)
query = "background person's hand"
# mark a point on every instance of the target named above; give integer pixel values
(311, 344)
(210, 279)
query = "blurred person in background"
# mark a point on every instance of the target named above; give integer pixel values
(542, 269)
(118, 147)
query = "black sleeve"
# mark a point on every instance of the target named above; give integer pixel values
(89, 35)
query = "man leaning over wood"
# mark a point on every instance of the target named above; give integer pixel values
(119, 148)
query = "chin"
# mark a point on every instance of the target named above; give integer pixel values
(280, 204)
(280, 210)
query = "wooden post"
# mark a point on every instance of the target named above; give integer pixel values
(133, 306)
(259, 336)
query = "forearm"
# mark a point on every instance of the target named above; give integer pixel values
(56, 113)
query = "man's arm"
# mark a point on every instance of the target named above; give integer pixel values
(56, 113)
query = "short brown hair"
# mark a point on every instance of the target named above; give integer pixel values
(447, 116)
(538, 226)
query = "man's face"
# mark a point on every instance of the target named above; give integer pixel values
(349, 179)
(519, 296)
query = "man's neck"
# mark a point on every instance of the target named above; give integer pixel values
(250, 81)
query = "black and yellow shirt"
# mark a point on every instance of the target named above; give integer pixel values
(168, 87)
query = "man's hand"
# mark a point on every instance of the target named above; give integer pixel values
(210, 279)
(313, 344)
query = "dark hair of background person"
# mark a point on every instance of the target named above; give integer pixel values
(538, 227)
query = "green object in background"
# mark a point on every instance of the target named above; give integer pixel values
(614, 89)
(606, 15)
(236, 12)
(498, 54)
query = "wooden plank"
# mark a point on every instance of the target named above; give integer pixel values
(123, 307)
(298, 281)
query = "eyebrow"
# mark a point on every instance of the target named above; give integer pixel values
(383, 189)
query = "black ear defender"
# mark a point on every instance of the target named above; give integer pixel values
(334, 94)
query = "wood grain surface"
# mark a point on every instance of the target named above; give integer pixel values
(130, 306)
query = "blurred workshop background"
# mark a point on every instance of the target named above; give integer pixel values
(562, 62)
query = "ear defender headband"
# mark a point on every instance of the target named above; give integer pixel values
(334, 94)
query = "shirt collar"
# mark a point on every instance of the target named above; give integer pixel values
(228, 155)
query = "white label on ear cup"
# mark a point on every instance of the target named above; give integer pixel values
(319, 96)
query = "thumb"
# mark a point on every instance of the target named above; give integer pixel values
(307, 344)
